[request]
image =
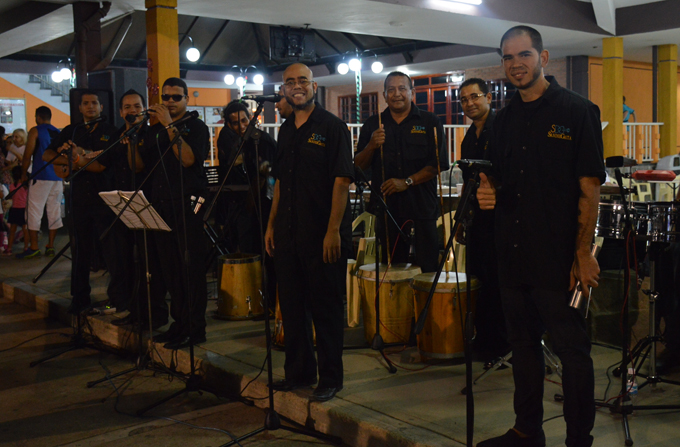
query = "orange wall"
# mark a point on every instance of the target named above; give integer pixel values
(209, 97)
(9, 90)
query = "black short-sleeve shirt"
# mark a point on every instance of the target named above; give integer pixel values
(409, 147)
(474, 148)
(308, 161)
(540, 151)
(228, 144)
(86, 185)
(197, 136)
(116, 160)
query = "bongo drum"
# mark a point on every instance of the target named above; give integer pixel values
(442, 335)
(396, 302)
(240, 280)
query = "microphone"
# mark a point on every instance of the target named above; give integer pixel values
(132, 117)
(263, 98)
(186, 118)
(475, 164)
(360, 176)
(96, 120)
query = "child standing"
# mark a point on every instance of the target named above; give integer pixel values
(17, 214)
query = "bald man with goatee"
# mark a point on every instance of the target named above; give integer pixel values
(309, 235)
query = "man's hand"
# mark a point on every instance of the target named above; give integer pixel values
(331, 247)
(586, 270)
(486, 193)
(161, 113)
(460, 235)
(393, 185)
(377, 137)
(269, 240)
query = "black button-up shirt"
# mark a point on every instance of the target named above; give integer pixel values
(308, 161)
(539, 152)
(228, 144)
(157, 141)
(474, 148)
(86, 186)
(409, 147)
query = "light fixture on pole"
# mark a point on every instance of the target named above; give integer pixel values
(192, 53)
(377, 67)
(343, 68)
(229, 79)
(355, 64)
(63, 74)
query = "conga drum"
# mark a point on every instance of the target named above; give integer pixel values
(442, 335)
(396, 302)
(240, 280)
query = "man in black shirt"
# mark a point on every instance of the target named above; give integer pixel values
(89, 215)
(310, 227)
(544, 232)
(178, 175)
(407, 137)
(242, 223)
(490, 339)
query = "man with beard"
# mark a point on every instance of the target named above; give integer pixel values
(89, 215)
(544, 233)
(309, 235)
(490, 339)
(407, 136)
(181, 251)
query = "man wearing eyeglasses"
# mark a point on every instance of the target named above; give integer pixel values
(406, 137)
(490, 340)
(179, 176)
(309, 235)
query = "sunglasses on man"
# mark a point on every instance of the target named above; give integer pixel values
(176, 98)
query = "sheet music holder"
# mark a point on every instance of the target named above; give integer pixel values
(139, 213)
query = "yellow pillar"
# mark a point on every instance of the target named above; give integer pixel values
(162, 45)
(667, 100)
(612, 82)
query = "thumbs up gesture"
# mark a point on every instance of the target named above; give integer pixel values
(486, 193)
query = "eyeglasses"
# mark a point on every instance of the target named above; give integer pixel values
(302, 83)
(472, 98)
(176, 98)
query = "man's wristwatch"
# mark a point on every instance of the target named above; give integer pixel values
(408, 181)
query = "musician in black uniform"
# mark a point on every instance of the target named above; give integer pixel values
(89, 215)
(186, 242)
(309, 235)
(490, 338)
(407, 135)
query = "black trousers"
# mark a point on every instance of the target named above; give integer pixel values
(529, 312)
(491, 337)
(88, 224)
(672, 320)
(311, 291)
(188, 311)
(426, 242)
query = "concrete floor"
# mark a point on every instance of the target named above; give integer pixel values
(421, 405)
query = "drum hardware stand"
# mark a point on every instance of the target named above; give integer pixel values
(272, 420)
(378, 344)
(464, 214)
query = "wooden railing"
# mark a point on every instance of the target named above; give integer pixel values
(641, 141)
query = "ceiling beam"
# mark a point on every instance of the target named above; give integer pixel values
(605, 14)
(260, 48)
(354, 40)
(212, 42)
(193, 22)
(328, 42)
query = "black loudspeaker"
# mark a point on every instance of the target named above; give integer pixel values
(105, 98)
(119, 81)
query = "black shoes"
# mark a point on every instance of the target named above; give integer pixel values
(513, 439)
(323, 394)
(184, 341)
(290, 385)
(78, 306)
(170, 335)
(127, 320)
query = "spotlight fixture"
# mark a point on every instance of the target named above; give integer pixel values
(377, 67)
(355, 64)
(240, 81)
(56, 76)
(343, 68)
(192, 53)
(229, 79)
(258, 79)
(65, 74)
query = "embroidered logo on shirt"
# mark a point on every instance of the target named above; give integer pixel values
(418, 129)
(317, 139)
(559, 132)
(105, 138)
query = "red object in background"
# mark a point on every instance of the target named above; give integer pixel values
(654, 176)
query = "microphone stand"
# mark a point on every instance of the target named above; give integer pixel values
(272, 420)
(463, 216)
(378, 344)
